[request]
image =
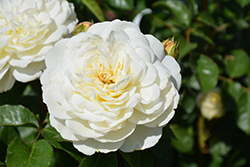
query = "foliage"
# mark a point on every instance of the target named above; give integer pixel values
(214, 52)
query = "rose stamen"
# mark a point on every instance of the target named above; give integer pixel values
(104, 75)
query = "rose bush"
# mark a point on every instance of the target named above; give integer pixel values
(28, 30)
(110, 88)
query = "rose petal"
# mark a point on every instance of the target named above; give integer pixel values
(90, 146)
(142, 138)
(175, 69)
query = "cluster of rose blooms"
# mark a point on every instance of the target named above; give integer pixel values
(108, 87)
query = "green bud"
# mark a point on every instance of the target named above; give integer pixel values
(82, 27)
(171, 48)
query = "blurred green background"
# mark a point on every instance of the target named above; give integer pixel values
(214, 53)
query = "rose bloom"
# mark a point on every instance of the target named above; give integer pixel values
(110, 88)
(211, 105)
(28, 29)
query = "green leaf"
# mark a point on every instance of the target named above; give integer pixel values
(235, 90)
(208, 72)
(94, 8)
(218, 150)
(186, 48)
(243, 120)
(99, 160)
(19, 154)
(202, 35)
(7, 134)
(178, 8)
(127, 158)
(243, 2)
(188, 103)
(53, 137)
(122, 4)
(184, 138)
(237, 64)
(27, 134)
(207, 19)
(16, 115)
(194, 6)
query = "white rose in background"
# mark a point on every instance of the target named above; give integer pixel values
(29, 28)
(110, 88)
(211, 105)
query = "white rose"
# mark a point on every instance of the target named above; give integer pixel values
(28, 29)
(211, 105)
(110, 88)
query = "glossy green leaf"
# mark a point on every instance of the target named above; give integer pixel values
(94, 7)
(208, 72)
(194, 6)
(27, 134)
(16, 115)
(184, 141)
(99, 160)
(122, 4)
(19, 154)
(243, 2)
(7, 134)
(54, 138)
(237, 64)
(243, 120)
(235, 90)
(207, 19)
(178, 8)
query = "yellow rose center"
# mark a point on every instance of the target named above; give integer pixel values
(105, 75)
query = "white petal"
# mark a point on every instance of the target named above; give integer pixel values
(157, 47)
(19, 63)
(7, 81)
(150, 76)
(31, 72)
(175, 69)
(90, 146)
(81, 127)
(55, 55)
(54, 108)
(163, 119)
(163, 74)
(150, 93)
(118, 135)
(142, 138)
(60, 126)
(56, 35)
(117, 25)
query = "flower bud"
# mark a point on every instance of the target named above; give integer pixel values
(171, 47)
(211, 105)
(82, 27)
